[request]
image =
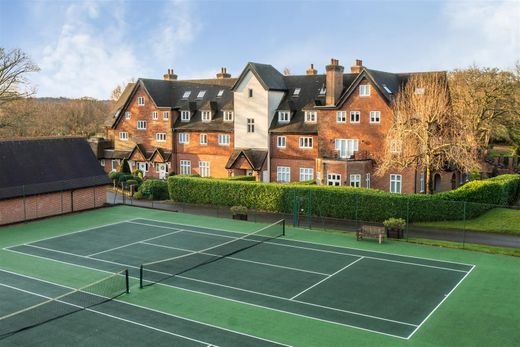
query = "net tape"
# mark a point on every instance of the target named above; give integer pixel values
(161, 270)
(91, 295)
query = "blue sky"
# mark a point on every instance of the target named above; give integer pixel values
(86, 48)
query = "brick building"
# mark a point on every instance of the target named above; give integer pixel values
(327, 127)
(48, 176)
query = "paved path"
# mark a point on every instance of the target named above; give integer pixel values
(491, 239)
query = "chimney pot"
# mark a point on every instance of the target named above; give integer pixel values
(170, 76)
(311, 70)
(357, 67)
(223, 73)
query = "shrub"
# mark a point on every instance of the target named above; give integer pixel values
(138, 195)
(154, 189)
(125, 168)
(395, 223)
(242, 178)
(114, 176)
(238, 209)
(131, 182)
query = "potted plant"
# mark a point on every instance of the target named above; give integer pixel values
(239, 212)
(394, 227)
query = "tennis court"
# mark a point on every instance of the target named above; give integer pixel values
(378, 292)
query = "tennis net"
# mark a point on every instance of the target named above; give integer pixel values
(73, 301)
(158, 271)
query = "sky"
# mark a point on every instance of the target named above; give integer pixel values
(86, 48)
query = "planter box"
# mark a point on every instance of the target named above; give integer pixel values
(240, 216)
(394, 233)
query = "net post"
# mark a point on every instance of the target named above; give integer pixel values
(127, 282)
(283, 227)
(141, 276)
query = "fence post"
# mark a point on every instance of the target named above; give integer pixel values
(407, 217)
(464, 227)
(309, 207)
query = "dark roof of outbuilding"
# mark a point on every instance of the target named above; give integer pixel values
(255, 157)
(46, 165)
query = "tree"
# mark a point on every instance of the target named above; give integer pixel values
(425, 133)
(489, 100)
(14, 66)
(116, 93)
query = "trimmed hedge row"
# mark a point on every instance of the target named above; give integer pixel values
(347, 202)
(153, 189)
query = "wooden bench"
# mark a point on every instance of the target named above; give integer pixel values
(369, 231)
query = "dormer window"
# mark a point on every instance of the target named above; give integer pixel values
(297, 92)
(310, 116)
(185, 116)
(283, 116)
(323, 90)
(201, 94)
(140, 101)
(206, 116)
(220, 93)
(364, 90)
(228, 116)
(186, 94)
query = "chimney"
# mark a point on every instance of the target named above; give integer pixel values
(311, 70)
(334, 82)
(223, 74)
(170, 76)
(357, 68)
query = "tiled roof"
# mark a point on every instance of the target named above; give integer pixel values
(269, 77)
(45, 165)
(255, 157)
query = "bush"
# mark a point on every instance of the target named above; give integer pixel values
(241, 178)
(125, 168)
(138, 195)
(115, 176)
(347, 202)
(238, 209)
(154, 189)
(395, 223)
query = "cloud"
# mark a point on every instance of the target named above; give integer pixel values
(483, 32)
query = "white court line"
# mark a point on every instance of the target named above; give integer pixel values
(134, 243)
(239, 259)
(326, 278)
(106, 314)
(440, 303)
(309, 242)
(322, 250)
(150, 309)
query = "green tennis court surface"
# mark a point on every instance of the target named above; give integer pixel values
(222, 286)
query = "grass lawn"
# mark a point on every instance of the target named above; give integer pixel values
(498, 220)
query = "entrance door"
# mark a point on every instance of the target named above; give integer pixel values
(333, 179)
(161, 168)
(143, 167)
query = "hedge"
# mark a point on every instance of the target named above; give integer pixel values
(154, 189)
(241, 178)
(470, 200)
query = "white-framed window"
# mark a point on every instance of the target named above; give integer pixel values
(141, 125)
(185, 116)
(123, 136)
(311, 116)
(203, 139)
(297, 91)
(333, 179)
(341, 117)
(395, 183)
(155, 115)
(114, 164)
(368, 180)
(205, 115)
(281, 141)
(283, 174)
(201, 94)
(128, 115)
(184, 138)
(228, 116)
(185, 167)
(250, 92)
(102, 162)
(421, 182)
(347, 147)
(375, 117)
(306, 174)
(166, 115)
(395, 146)
(186, 94)
(140, 100)
(160, 137)
(204, 169)
(250, 125)
(224, 139)
(355, 180)
(283, 116)
(220, 93)
(305, 142)
(355, 116)
(364, 90)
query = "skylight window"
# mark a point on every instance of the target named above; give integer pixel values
(297, 92)
(201, 94)
(387, 89)
(220, 93)
(323, 90)
(186, 94)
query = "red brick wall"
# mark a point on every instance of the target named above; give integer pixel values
(294, 164)
(292, 148)
(217, 163)
(44, 205)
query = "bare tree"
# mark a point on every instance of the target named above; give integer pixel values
(425, 133)
(116, 93)
(14, 66)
